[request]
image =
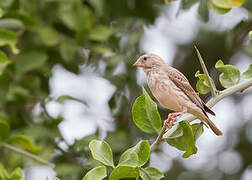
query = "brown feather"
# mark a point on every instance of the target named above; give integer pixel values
(207, 109)
(213, 127)
(181, 81)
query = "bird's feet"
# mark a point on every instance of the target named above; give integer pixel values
(169, 121)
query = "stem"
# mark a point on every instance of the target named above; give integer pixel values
(159, 140)
(214, 100)
(25, 153)
(212, 88)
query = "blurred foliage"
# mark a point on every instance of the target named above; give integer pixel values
(36, 35)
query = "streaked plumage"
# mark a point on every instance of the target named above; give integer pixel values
(172, 89)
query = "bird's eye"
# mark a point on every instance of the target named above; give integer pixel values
(145, 58)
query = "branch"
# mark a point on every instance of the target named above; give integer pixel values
(214, 100)
(227, 92)
(159, 140)
(25, 153)
(212, 88)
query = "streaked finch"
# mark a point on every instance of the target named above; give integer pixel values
(172, 89)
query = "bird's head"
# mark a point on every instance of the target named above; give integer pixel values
(149, 61)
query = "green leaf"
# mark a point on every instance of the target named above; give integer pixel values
(9, 38)
(68, 50)
(186, 142)
(248, 72)
(202, 84)
(216, 9)
(250, 35)
(64, 98)
(129, 158)
(83, 142)
(151, 173)
(145, 114)
(1, 12)
(230, 74)
(99, 49)
(76, 16)
(3, 172)
(227, 4)
(197, 129)
(175, 132)
(16, 174)
(11, 24)
(25, 142)
(49, 36)
(100, 33)
(203, 10)
(27, 20)
(97, 173)
(102, 152)
(142, 149)
(124, 172)
(4, 62)
(30, 82)
(56, 178)
(4, 129)
(30, 60)
(186, 4)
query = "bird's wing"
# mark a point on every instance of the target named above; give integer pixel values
(181, 81)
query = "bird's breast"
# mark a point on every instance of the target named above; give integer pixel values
(164, 90)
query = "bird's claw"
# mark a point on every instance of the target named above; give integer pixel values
(169, 121)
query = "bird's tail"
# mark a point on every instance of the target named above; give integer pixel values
(212, 126)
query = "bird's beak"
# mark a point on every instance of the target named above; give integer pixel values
(138, 64)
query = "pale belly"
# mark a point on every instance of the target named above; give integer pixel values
(166, 96)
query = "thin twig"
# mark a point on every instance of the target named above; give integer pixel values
(25, 153)
(214, 100)
(158, 140)
(212, 88)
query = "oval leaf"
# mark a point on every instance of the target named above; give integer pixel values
(151, 173)
(100, 33)
(8, 38)
(186, 142)
(124, 172)
(30, 60)
(142, 150)
(102, 152)
(248, 72)
(129, 158)
(17, 174)
(227, 4)
(175, 132)
(25, 142)
(145, 114)
(217, 9)
(98, 173)
(4, 62)
(4, 129)
(49, 36)
(202, 84)
(197, 129)
(230, 74)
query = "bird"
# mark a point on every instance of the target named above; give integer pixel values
(173, 91)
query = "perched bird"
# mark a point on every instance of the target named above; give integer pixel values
(172, 89)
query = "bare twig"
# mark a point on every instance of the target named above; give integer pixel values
(158, 140)
(214, 100)
(25, 153)
(212, 88)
